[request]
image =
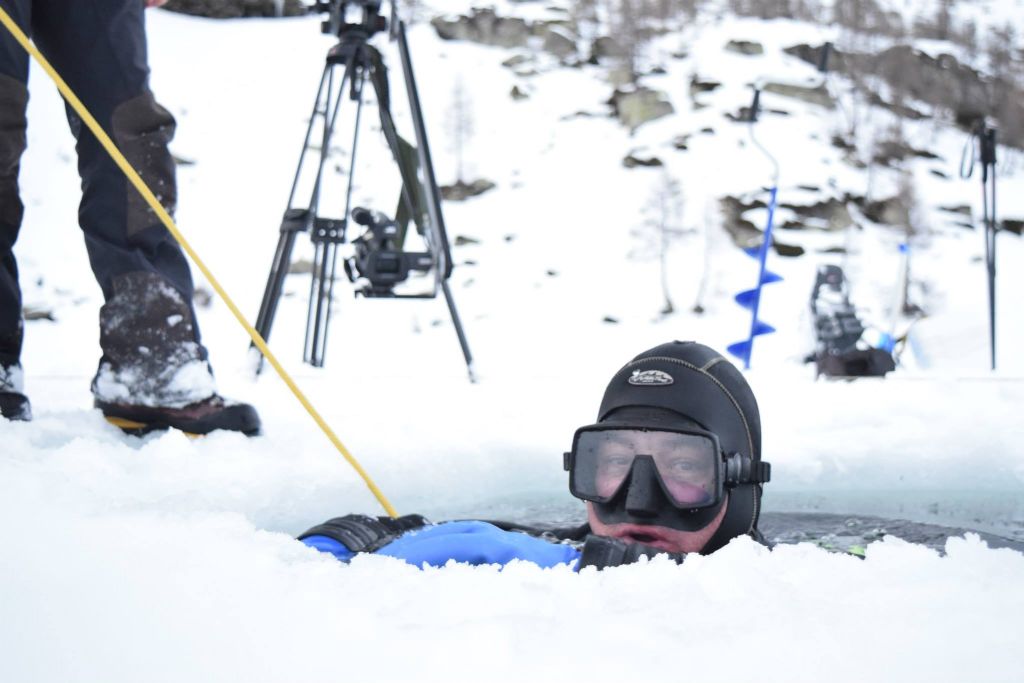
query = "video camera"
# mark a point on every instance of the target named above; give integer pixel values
(379, 257)
(336, 24)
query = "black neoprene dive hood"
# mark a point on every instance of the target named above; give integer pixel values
(682, 384)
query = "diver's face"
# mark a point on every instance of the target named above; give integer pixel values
(685, 463)
(662, 538)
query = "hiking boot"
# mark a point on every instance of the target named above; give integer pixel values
(14, 403)
(203, 417)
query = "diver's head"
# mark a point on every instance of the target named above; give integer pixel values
(674, 460)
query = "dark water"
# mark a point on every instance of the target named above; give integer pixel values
(843, 532)
(834, 530)
(838, 532)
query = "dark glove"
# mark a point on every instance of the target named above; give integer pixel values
(345, 536)
(601, 552)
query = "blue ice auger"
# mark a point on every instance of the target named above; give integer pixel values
(751, 298)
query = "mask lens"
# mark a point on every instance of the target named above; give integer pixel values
(687, 464)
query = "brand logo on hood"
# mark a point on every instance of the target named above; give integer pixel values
(650, 378)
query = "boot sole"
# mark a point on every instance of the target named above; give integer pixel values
(139, 421)
(133, 428)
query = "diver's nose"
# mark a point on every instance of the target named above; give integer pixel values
(643, 497)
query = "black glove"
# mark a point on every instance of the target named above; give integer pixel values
(365, 534)
(601, 552)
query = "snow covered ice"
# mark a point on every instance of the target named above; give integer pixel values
(170, 559)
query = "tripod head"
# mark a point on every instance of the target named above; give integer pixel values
(337, 24)
(379, 257)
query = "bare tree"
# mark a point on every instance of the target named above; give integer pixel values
(460, 126)
(661, 227)
(628, 24)
(944, 19)
(910, 208)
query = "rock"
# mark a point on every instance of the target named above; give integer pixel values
(632, 161)
(620, 75)
(745, 47)
(233, 9)
(560, 43)
(741, 116)
(815, 95)
(939, 81)
(890, 152)
(34, 313)
(541, 28)
(938, 173)
(842, 143)
(830, 215)
(461, 191)
(698, 86)
(517, 60)
(610, 320)
(637, 107)
(787, 250)
(961, 209)
(484, 26)
(202, 297)
(518, 93)
(898, 109)
(463, 240)
(1016, 226)
(606, 47)
(744, 234)
(890, 211)
(681, 142)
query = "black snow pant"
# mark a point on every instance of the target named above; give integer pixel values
(148, 331)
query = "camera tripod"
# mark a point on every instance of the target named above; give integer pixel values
(375, 273)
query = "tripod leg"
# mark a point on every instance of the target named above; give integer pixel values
(313, 308)
(320, 306)
(275, 283)
(433, 194)
(323, 324)
(294, 221)
(312, 352)
(458, 330)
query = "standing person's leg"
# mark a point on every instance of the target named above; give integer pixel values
(154, 368)
(13, 101)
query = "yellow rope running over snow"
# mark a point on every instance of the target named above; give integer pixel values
(166, 219)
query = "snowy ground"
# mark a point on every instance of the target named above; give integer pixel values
(169, 559)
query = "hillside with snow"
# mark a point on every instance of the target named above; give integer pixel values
(170, 559)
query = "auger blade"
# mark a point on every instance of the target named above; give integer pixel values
(741, 350)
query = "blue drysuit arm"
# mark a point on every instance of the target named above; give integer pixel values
(471, 542)
(329, 545)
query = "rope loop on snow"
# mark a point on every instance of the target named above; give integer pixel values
(165, 218)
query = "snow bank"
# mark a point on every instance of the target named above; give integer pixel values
(118, 597)
(165, 559)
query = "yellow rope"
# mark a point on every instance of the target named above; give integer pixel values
(119, 159)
